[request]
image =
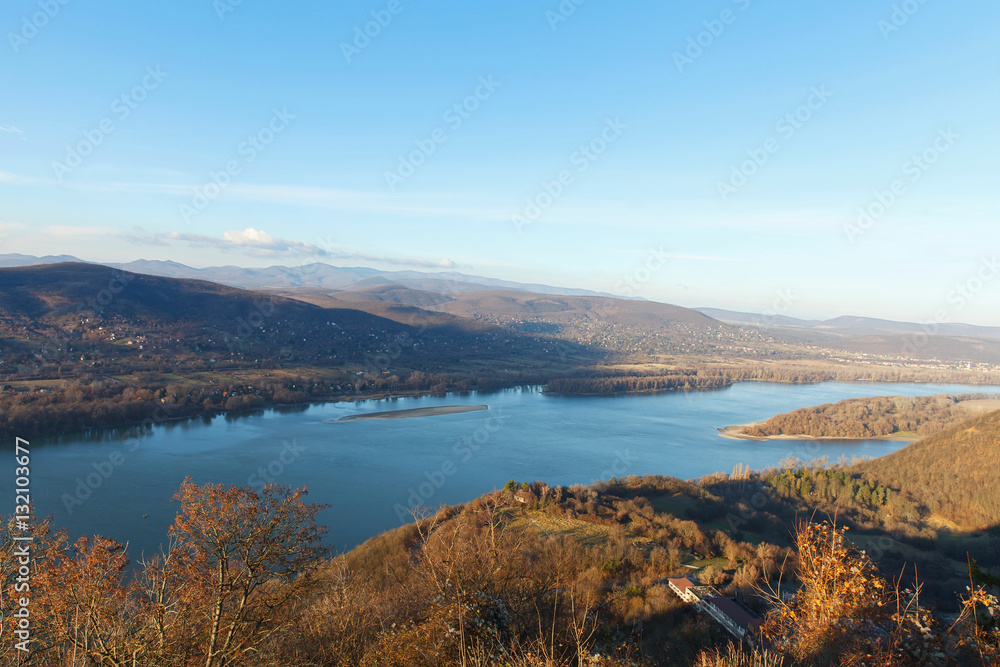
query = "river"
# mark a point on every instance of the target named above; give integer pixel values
(370, 471)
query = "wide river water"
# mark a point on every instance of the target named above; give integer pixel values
(370, 471)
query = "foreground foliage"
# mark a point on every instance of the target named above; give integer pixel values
(528, 576)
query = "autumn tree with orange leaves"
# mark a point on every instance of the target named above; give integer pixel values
(841, 596)
(844, 613)
(236, 560)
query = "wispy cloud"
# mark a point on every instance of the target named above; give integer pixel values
(702, 258)
(63, 231)
(10, 129)
(399, 261)
(258, 243)
(17, 179)
(322, 197)
(249, 241)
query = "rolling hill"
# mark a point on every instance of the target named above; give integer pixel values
(955, 473)
(68, 315)
(614, 326)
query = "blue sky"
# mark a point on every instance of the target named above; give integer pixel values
(736, 141)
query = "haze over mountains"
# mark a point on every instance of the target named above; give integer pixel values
(464, 303)
(69, 316)
(316, 275)
(852, 325)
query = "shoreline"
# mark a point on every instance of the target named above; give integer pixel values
(152, 420)
(734, 433)
(411, 413)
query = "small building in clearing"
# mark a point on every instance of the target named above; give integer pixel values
(525, 497)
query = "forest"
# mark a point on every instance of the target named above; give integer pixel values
(956, 470)
(150, 398)
(634, 384)
(869, 417)
(245, 580)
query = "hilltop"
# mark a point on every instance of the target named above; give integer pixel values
(117, 321)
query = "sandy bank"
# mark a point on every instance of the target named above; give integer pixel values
(413, 412)
(734, 433)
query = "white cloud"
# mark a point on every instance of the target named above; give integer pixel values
(258, 243)
(254, 242)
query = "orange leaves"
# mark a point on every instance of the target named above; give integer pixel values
(840, 595)
(237, 558)
(89, 606)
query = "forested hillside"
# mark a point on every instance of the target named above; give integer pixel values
(529, 576)
(955, 473)
(869, 417)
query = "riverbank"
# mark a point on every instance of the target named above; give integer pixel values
(736, 433)
(412, 412)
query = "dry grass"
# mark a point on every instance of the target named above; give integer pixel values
(584, 532)
(980, 406)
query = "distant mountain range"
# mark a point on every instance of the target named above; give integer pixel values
(315, 276)
(469, 296)
(93, 316)
(523, 310)
(853, 326)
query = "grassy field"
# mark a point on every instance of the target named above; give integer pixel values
(676, 505)
(717, 562)
(981, 406)
(584, 532)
